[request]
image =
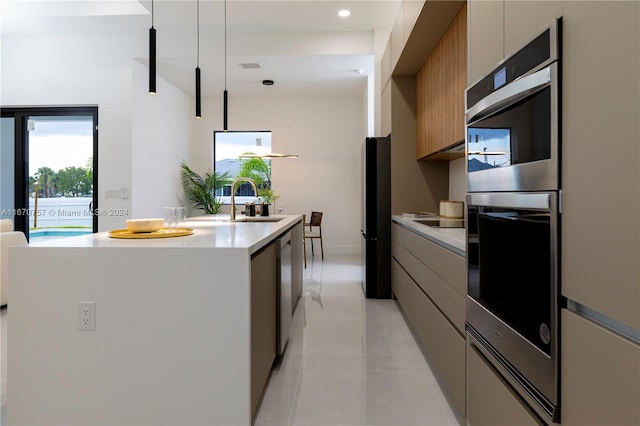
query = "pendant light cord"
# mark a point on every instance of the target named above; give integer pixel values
(225, 94)
(198, 33)
(225, 44)
(198, 79)
(152, 53)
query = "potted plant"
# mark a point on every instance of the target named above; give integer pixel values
(259, 170)
(267, 195)
(200, 191)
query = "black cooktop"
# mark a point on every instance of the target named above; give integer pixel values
(443, 223)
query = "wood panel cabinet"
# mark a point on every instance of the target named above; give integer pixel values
(440, 86)
(422, 24)
(263, 320)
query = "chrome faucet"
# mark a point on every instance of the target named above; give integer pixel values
(232, 211)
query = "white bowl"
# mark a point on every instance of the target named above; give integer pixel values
(144, 225)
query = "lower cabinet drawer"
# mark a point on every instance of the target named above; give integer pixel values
(490, 401)
(443, 295)
(449, 266)
(442, 343)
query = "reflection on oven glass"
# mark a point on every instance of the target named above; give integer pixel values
(509, 268)
(488, 148)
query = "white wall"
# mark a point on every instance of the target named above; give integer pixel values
(327, 133)
(90, 70)
(162, 131)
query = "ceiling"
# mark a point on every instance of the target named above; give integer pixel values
(303, 45)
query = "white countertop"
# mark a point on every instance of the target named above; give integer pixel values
(453, 239)
(208, 232)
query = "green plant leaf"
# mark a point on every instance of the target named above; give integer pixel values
(200, 190)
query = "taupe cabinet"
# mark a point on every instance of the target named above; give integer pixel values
(485, 37)
(600, 375)
(296, 262)
(263, 320)
(600, 152)
(498, 28)
(429, 284)
(490, 401)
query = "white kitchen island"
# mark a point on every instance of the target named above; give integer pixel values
(173, 334)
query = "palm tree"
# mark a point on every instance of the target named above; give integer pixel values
(256, 169)
(259, 170)
(47, 181)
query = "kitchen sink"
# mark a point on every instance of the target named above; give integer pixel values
(259, 219)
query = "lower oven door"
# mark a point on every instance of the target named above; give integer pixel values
(512, 303)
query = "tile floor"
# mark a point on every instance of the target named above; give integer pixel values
(350, 360)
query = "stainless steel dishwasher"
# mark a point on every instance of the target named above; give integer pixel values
(284, 279)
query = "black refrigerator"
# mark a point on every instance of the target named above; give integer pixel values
(376, 217)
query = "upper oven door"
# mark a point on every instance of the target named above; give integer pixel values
(512, 117)
(512, 136)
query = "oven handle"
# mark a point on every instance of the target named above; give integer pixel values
(511, 93)
(533, 201)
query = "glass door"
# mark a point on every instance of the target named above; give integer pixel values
(60, 176)
(7, 169)
(54, 169)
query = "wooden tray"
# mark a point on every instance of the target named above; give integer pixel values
(160, 233)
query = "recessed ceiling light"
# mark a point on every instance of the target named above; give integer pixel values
(344, 13)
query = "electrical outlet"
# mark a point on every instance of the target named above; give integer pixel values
(86, 316)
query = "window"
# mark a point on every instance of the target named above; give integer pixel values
(228, 149)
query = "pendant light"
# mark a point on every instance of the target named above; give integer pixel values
(269, 155)
(225, 111)
(152, 56)
(198, 93)
(272, 155)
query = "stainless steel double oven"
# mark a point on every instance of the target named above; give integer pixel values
(513, 219)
